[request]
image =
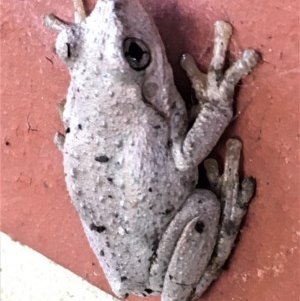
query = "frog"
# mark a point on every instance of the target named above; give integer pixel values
(131, 151)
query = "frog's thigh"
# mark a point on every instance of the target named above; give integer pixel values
(186, 247)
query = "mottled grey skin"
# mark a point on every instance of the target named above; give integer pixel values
(131, 163)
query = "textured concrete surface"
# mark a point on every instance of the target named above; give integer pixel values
(26, 275)
(35, 207)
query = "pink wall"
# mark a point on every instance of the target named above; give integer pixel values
(35, 207)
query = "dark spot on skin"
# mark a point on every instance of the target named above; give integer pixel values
(110, 180)
(101, 253)
(116, 215)
(7, 143)
(102, 159)
(79, 126)
(110, 196)
(147, 292)
(108, 244)
(168, 211)
(123, 278)
(230, 228)
(98, 229)
(68, 130)
(150, 189)
(125, 296)
(139, 261)
(199, 227)
(157, 127)
(169, 143)
(200, 201)
(171, 277)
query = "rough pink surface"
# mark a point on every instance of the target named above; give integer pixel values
(35, 207)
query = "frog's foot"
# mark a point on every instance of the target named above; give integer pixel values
(215, 95)
(186, 247)
(234, 201)
(53, 22)
(218, 85)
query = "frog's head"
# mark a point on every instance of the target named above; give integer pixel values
(118, 40)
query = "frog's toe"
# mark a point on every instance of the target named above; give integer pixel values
(59, 140)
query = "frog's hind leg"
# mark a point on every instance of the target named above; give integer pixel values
(234, 201)
(53, 22)
(186, 247)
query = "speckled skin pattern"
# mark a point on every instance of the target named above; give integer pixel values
(131, 164)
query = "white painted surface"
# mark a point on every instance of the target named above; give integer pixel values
(26, 275)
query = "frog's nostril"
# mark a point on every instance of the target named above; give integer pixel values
(68, 50)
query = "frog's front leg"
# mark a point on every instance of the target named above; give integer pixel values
(215, 95)
(186, 247)
(53, 22)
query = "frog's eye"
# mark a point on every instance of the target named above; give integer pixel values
(136, 53)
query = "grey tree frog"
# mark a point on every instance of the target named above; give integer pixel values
(131, 156)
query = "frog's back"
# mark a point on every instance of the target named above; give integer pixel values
(117, 158)
(120, 175)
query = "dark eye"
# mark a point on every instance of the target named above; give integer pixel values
(136, 53)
